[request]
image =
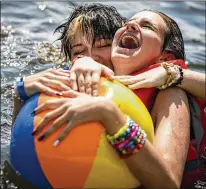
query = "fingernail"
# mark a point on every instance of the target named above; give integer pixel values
(41, 137)
(94, 93)
(56, 142)
(59, 94)
(33, 112)
(34, 132)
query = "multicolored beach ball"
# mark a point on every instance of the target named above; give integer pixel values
(84, 159)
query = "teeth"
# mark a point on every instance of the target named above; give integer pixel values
(134, 39)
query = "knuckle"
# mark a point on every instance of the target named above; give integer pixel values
(72, 79)
(42, 79)
(88, 84)
(46, 104)
(50, 69)
(47, 117)
(95, 82)
(35, 85)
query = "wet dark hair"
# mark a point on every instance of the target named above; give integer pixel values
(98, 20)
(173, 40)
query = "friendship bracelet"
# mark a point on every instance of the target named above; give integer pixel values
(174, 75)
(128, 140)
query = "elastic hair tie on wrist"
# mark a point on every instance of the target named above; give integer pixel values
(20, 89)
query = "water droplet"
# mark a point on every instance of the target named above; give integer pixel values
(42, 6)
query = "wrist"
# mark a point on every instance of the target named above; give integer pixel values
(110, 115)
(19, 90)
(174, 75)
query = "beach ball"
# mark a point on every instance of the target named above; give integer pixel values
(84, 159)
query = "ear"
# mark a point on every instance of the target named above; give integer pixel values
(165, 56)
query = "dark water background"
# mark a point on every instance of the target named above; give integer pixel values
(27, 37)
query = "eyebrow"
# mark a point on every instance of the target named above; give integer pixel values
(76, 45)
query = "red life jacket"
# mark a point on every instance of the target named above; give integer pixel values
(195, 167)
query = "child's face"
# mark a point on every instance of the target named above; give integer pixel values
(100, 51)
(138, 44)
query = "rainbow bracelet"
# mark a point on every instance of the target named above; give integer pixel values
(129, 139)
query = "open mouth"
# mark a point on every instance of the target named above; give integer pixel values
(129, 41)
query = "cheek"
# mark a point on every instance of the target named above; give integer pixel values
(152, 42)
(106, 53)
(105, 57)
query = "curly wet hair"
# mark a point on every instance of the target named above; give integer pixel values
(98, 20)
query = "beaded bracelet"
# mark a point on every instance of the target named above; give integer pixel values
(128, 140)
(174, 75)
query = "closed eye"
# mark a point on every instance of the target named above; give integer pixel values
(78, 53)
(146, 24)
(102, 43)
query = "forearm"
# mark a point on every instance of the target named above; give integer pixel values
(148, 164)
(151, 169)
(194, 83)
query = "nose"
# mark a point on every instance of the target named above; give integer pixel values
(92, 53)
(132, 26)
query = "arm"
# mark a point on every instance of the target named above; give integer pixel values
(168, 154)
(166, 157)
(194, 83)
(50, 82)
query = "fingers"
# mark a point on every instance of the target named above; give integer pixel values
(107, 72)
(63, 134)
(73, 81)
(57, 124)
(50, 104)
(44, 89)
(58, 72)
(63, 79)
(55, 84)
(128, 80)
(72, 94)
(39, 82)
(47, 118)
(88, 83)
(95, 83)
(138, 85)
(123, 77)
(80, 81)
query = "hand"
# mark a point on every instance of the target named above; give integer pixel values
(72, 110)
(152, 78)
(85, 75)
(50, 82)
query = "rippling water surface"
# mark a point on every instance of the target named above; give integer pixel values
(27, 37)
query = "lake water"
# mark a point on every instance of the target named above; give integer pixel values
(27, 37)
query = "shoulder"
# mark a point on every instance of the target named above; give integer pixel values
(170, 101)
